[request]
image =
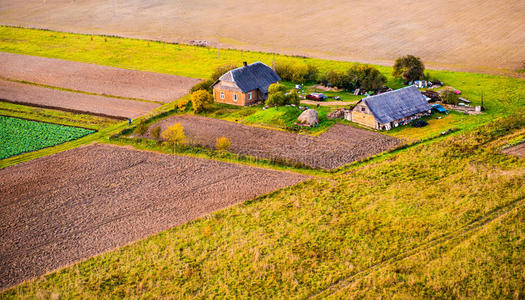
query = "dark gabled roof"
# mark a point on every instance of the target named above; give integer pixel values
(251, 77)
(397, 104)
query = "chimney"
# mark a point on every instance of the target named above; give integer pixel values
(244, 63)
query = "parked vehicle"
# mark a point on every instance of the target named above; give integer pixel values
(316, 97)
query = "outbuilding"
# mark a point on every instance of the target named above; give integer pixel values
(391, 109)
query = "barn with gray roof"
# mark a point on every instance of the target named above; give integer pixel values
(246, 85)
(391, 109)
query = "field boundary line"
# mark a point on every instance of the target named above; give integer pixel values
(460, 232)
(77, 91)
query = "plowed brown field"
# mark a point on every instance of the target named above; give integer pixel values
(95, 78)
(69, 206)
(51, 98)
(338, 146)
(466, 35)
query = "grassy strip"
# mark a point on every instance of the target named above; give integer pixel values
(55, 116)
(302, 240)
(77, 91)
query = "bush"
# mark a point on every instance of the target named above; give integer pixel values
(201, 100)
(449, 97)
(181, 104)
(223, 143)
(155, 132)
(174, 135)
(277, 96)
(409, 68)
(298, 72)
(220, 70)
(141, 127)
(419, 123)
(203, 85)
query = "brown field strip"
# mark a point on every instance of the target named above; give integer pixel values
(59, 209)
(76, 102)
(518, 150)
(93, 78)
(338, 146)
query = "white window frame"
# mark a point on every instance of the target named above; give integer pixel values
(222, 95)
(234, 97)
(250, 96)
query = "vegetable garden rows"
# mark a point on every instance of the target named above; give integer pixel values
(18, 135)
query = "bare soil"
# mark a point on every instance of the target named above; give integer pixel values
(518, 150)
(95, 78)
(465, 35)
(338, 146)
(76, 102)
(59, 209)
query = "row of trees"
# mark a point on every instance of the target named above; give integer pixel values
(363, 77)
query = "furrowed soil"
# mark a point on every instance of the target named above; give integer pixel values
(52, 98)
(57, 210)
(518, 150)
(338, 146)
(465, 35)
(93, 78)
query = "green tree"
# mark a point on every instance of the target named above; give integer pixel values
(203, 85)
(449, 97)
(366, 77)
(200, 100)
(174, 135)
(220, 70)
(277, 96)
(409, 68)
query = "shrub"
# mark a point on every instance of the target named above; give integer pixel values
(200, 100)
(182, 104)
(203, 85)
(155, 132)
(277, 96)
(449, 97)
(223, 143)
(174, 135)
(220, 70)
(141, 127)
(409, 68)
(419, 123)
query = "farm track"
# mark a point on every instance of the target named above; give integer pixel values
(338, 146)
(85, 201)
(518, 150)
(454, 236)
(94, 79)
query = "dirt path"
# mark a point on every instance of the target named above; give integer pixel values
(328, 103)
(95, 78)
(66, 207)
(518, 150)
(51, 98)
(338, 146)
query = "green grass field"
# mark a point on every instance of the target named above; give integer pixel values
(442, 219)
(455, 205)
(19, 136)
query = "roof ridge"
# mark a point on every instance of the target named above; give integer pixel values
(405, 87)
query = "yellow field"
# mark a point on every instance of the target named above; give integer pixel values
(467, 35)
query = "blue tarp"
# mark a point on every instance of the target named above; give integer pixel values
(439, 108)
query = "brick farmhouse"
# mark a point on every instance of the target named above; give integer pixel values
(246, 85)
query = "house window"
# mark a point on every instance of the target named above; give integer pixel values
(222, 95)
(362, 109)
(234, 97)
(250, 96)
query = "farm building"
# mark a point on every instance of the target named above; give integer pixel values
(391, 109)
(246, 85)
